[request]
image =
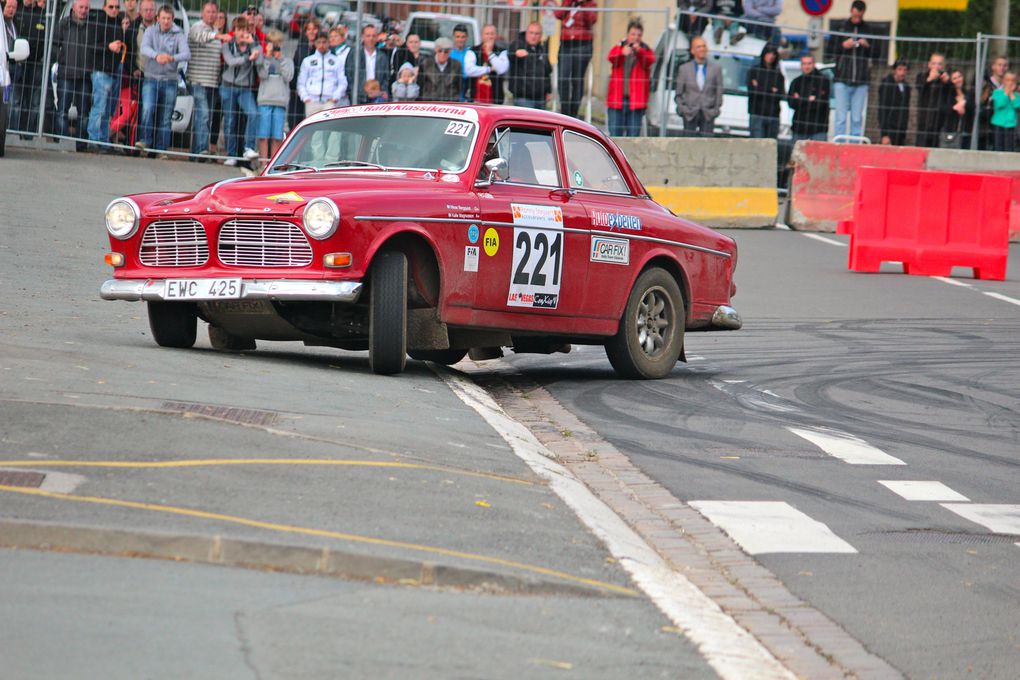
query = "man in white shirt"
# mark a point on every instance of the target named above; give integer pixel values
(485, 65)
(321, 84)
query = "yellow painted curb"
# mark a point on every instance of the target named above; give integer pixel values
(707, 202)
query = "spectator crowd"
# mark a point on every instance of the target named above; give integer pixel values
(119, 70)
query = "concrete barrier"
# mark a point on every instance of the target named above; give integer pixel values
(716, 182)
(822, 190)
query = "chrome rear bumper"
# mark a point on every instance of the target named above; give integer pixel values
(726, 318)
(298, 290)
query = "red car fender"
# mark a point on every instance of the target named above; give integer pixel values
(666, 258)
(392, 234)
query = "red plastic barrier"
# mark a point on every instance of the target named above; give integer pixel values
(931, 222)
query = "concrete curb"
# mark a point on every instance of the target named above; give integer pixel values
(246, 554)
(802, 638)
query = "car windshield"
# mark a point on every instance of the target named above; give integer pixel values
(380, 141)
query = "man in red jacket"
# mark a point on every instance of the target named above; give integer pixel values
(627, 97)
(576, 21)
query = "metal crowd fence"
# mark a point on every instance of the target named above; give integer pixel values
(48, 105)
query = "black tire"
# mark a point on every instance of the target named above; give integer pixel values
(651, 334)
(447, 357)
(222, 340)
(173, 324)
(387, 314)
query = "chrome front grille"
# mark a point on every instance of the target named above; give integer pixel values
(174, 243)
(263, 243)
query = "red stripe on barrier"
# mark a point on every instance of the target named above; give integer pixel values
(931, 222)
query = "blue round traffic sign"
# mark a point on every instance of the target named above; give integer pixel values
(816, 7)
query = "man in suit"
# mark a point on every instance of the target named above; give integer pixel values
(699, 91)
(373, 64)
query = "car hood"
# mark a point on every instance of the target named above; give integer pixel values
(286, 194)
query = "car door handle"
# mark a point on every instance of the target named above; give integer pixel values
(563, 193)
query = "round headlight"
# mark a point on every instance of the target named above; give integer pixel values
(321, 218)
(122, 216)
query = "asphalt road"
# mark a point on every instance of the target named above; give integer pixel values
(924, 370)
(449, 557)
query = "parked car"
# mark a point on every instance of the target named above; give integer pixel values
(328, 12)
(128, 108)
(428, 229)
(735, 61)
(430, 25)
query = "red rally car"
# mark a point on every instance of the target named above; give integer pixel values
(430, 230)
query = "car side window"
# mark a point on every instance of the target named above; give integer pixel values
(531, 155)
(589, 165)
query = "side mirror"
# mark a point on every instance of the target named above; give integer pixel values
(497, 170)
(20, 51)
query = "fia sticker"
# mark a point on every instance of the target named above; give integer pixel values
(491, 242)
(473, 233)
(470, 258)
(578, 178)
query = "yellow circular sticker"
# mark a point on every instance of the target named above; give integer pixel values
(491, 242)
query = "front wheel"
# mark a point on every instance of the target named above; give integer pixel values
(173, 324)
(651, 334)
(387, 314)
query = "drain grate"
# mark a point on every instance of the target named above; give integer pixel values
(21, 478)
(247, 416)
(945, 536)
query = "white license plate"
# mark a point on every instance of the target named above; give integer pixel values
(201, 289)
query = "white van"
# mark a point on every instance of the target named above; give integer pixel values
(430, 25)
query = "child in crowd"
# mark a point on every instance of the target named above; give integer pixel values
(374, 93)
(404, 88)
(275, 73)
(1005, 103)
(236, 94)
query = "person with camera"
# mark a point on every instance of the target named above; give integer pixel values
(236, 83)
(1005, 102)
(627, 97)
(934, 99)
(853, 73)
(275, 72)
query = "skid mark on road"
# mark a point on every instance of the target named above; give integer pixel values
(323, 533)
(213, 462)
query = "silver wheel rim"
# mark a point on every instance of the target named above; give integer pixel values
(654, 316)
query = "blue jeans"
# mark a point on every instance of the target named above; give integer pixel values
(234, 98)
(764, 127)
(625, 122)
(79, 94)
(529, 103)
(27, 91)
(158, 99)
(813, 136)
(850, 99)
(271, 119)
(105, 93)
(203, 97)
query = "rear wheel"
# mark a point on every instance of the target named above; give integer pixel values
(222, 340)
(173, 324)
(447, 357)
(651, 334)
(387, 315)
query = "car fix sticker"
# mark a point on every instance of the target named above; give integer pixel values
(609, 249)
(537, 267)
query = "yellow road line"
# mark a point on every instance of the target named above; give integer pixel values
(322, 533)
(209, 462)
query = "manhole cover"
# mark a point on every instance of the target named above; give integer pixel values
(248, 416)
(945, 536)
(20, 478)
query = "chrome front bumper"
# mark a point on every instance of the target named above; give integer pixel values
(726, 318)
(298, 290)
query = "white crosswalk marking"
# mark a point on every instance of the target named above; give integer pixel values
(1000, 519)
(923, 491)
(846, 447)
(771, 527)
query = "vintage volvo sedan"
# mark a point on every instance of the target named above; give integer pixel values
(430, 230)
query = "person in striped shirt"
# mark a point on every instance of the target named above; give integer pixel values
(205, 43)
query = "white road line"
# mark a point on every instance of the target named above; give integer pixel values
(830, 241)
(923, 491)
(1000, 519)
(729, 649)
(846, 447)
(771, 527)
(1004, 298)
(952, 282)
